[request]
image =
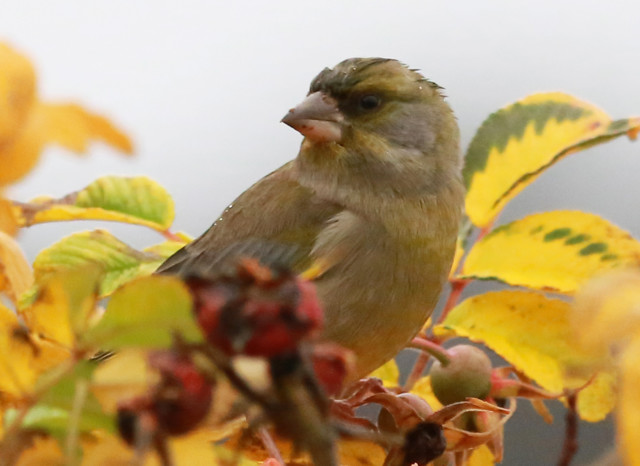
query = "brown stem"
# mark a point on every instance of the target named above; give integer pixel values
(570, 446)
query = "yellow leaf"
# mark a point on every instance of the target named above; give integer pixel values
(605, 315)
(599, 398)
(360, 453)
(137, 200)
(17, 356)
(64, 305)
(388, 373)
(481, 456)
(123, 376)
(8, 220)
(228, 457)
(457, 257)
(49, 315)
(607, 310)
(515, 144)
(168, 248)
(23, 356)
(557, 251)
(45, 450)
(27, 125)
(21, 154)
(16, 275)
(627, 419)
(194, 448)
(17, 93)
(74, 128)
(534, 333)
(351, 452)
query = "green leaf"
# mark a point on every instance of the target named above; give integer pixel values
(516, 143)
(147, 312)
(557, 251)
(138, 200)
(53, 413)
(119, 262)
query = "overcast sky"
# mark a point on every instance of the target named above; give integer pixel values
(201, 87)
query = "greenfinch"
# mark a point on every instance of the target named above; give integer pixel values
(373, 202)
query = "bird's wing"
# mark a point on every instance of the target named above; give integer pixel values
(276, 210)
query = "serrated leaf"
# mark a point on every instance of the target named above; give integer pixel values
(516, 143)
(16, 275)
(138, 200)
(119, 262)
(146, 312)
(557, 251)
(532, 332)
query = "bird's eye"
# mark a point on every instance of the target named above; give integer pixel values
(369, 102)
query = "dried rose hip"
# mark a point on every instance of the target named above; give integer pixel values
(174, 406)
(183, 396)
(258, 311)
(332, 365)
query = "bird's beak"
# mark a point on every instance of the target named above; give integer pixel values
(317, 117)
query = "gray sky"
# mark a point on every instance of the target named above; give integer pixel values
(201, 87)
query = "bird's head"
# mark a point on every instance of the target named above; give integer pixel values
(374, 127)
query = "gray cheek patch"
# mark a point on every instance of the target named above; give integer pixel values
(409, 128)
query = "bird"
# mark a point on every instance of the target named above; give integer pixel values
(372, 203)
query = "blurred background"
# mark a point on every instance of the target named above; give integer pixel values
(201, 86)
